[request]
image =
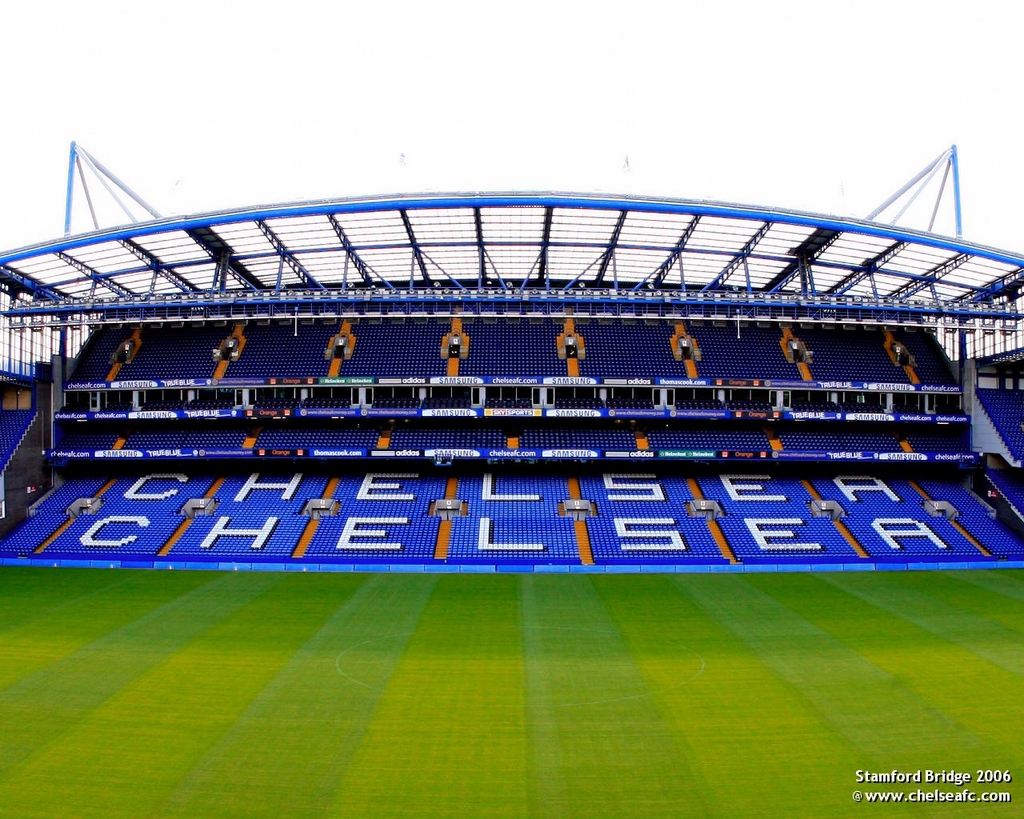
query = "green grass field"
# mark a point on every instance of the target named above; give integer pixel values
(190, 694)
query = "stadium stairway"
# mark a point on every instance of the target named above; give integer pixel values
(453, 361)
(444, 529)
(344, 332)
(67, 523)
(713, 526)
(135, 337)
(583, 546)
(238, 333)
(955, 523)
(841, 527)
(183, 526)
(691, 362)
(572, 363)
(890, 340)
(784, 342)
(309, 532)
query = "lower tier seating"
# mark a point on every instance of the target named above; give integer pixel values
(515, 517)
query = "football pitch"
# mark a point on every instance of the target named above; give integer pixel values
(192, 694)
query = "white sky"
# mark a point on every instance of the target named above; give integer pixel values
(819, 106)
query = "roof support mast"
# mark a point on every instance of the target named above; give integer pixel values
(946, 161)
(77, 158)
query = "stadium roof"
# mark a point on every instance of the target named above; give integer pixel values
(513, 242)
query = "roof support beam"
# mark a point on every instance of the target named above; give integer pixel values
(545, 241)
(807, 254)
(478, 222)
(870, 267)
(214, 246)
(417, 254)
(426, 257)
(297, 268)
(931, 278)
(741, 257)
(658, 275)
(14, 282)
(364, 270)
(95, 276)
(607, 256)
(154, 264)
(1008, 287)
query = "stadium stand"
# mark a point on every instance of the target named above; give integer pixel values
(558, 417)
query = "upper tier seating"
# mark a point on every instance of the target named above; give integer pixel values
(94, 361)
(167, 352)
(512, 348)
(13, 426)
(281, 350)
(930, 361)
(1006, 410)
(622, 350)
(401, 349)
(756, 353)
(506, 347)
(839, 355)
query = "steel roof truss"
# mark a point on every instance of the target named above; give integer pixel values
(364, 269)
(8, 276)
(416, 252)
(608, 257)
(933, 275)
(737, 260)
(494, 269)
(425, 257)
(478, 225)
(155, 265)
(97, 278)
(867, 270)
(660, 273)
(816, 250)
(221, 253)
(286, 256)
(545, 241)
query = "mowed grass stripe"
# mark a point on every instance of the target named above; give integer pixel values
(60, 724)
(29, 593)
(995, 594)
(91, 609)
(448, 737)
(987, 625)
(886, 725)
(954, 660)
(598, 745)
(288, 750)
(757, 747)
